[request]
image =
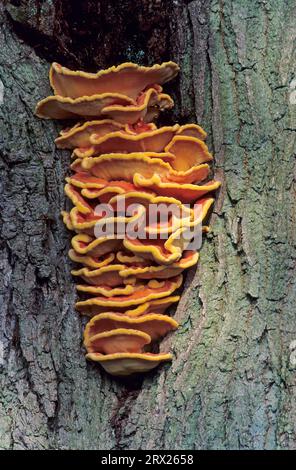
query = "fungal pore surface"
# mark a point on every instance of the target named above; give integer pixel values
(141, 196)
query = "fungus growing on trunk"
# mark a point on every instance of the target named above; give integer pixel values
(129, 278)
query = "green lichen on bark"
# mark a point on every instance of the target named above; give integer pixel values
(231, 384)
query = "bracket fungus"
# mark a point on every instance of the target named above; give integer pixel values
(122, 340)
(141, 195)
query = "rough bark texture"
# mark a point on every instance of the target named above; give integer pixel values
(232, 382)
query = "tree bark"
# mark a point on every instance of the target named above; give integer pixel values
(232, 381)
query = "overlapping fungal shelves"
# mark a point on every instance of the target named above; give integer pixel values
(129, 262)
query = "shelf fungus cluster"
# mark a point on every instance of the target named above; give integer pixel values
(141, 195)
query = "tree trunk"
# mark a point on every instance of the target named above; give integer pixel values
(232, 381)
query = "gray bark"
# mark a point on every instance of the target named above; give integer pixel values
(232, 382)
